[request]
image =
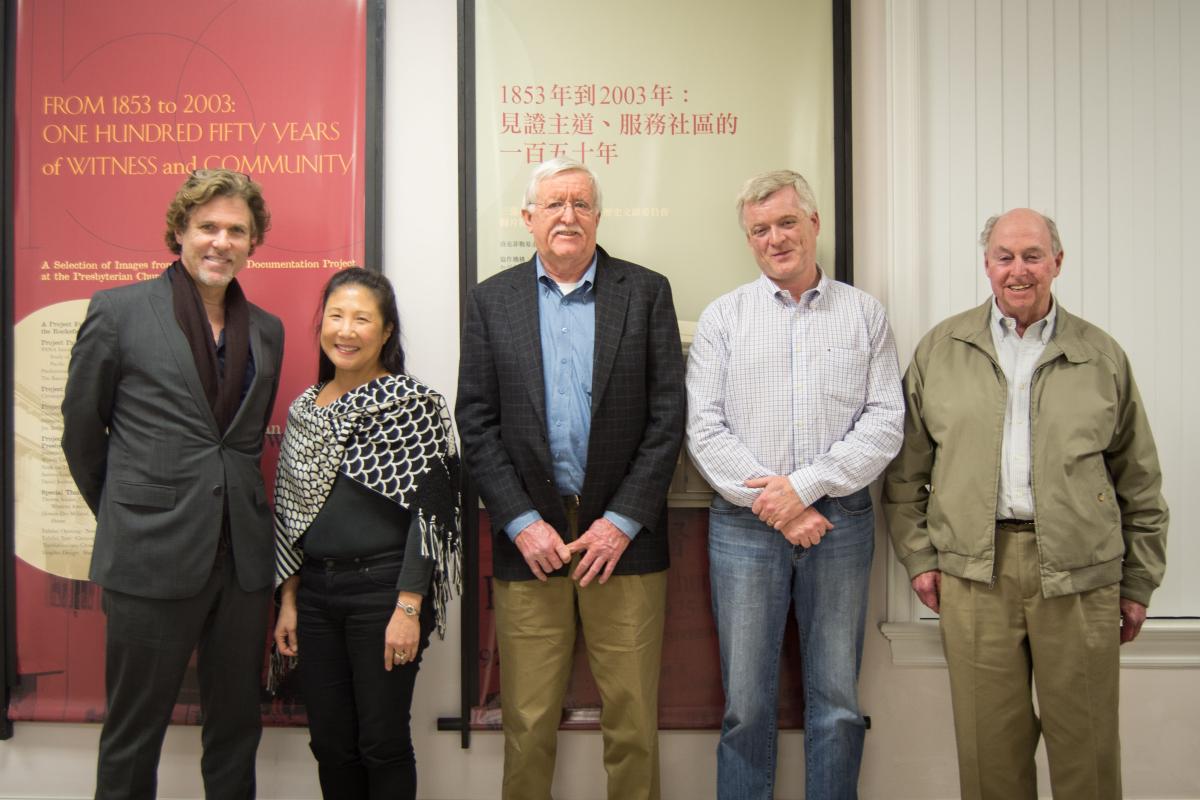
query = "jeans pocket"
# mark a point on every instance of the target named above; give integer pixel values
(382, 575)
(854, 504)
(720, 505)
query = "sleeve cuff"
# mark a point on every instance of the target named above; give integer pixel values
(1137, 590)
(521, 522)
(807, 486)
(628, 526)
(924, 560)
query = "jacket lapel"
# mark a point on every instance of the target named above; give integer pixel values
(1066, 339)
(258, 382)
(161, 303)
(612, 301)
(974, 329)
(526, 334)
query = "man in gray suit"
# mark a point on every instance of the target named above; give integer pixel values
(571, 409)
(168, 393)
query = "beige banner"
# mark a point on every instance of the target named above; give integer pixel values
(673, 104)
(54, 527)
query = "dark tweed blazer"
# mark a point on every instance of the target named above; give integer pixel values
(637, 409)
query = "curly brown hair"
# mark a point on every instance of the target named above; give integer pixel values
(205, 184)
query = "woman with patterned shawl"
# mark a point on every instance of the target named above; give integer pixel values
(366, 539)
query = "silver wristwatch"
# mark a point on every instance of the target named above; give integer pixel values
(407, 608)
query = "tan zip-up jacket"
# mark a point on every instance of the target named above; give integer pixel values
(1097, 488)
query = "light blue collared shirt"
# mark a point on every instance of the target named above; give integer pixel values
(568, 329)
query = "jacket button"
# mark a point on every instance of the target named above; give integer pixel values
(218, 490)
(1100, 497)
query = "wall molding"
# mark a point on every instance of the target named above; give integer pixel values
(1162, 644)
(903, 35)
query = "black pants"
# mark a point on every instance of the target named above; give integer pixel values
(358, 713)
(148, 645)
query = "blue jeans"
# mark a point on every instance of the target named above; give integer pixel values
(756, 574)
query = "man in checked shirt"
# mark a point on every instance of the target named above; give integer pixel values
(794, 408)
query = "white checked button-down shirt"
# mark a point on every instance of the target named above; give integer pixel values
(1018, 357)
(809, 389)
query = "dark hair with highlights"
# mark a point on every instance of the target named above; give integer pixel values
(392, 354)
(205, 184)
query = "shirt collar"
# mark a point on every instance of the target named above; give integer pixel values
(1043, 328)
(809, 298)
(586, 282)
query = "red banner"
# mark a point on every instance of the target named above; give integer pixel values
(115, 103)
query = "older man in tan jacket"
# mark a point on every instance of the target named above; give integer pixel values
(1026, 505)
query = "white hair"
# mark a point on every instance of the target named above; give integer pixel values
(557, 166)
(760, 187)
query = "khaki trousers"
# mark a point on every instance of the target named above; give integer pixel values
(996, 640)
(622, 624)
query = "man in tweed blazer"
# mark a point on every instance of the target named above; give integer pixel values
(571, 411)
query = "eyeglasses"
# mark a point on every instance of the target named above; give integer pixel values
(557, 208)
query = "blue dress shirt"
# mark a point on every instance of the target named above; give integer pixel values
(568, 328)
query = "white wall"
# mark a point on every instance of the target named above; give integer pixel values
(1089, 112)
(910, 749)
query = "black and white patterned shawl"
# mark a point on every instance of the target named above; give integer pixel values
(392, 435)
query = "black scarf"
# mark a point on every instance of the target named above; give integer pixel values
(224, 392)
(392, 435)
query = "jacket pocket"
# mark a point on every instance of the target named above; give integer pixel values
(148, 495)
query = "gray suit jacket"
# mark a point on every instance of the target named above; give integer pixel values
(637, 409)
(143, 447)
